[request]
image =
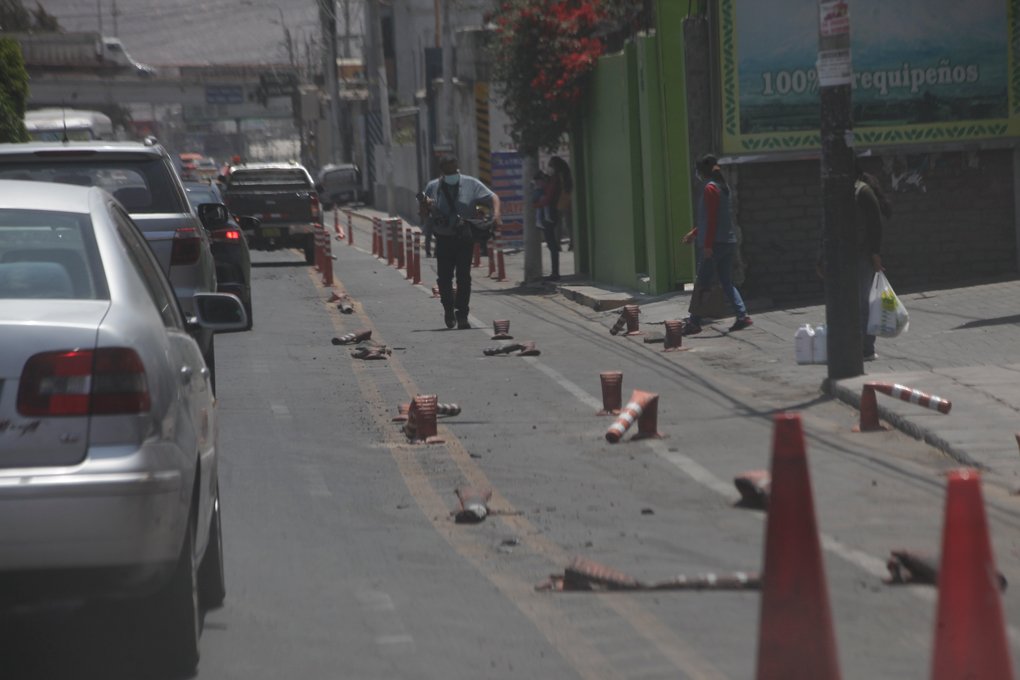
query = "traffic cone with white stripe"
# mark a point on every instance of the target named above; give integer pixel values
(643, 408)
(501, 330)
(351, 338)
(674, 336)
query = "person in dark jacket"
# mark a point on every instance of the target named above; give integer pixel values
(716, 239)
(868, 198)
(448, 199)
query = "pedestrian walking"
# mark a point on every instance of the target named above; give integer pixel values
(564, 204)
(558, 183)
(451, 199)
(871, 206)
(716, 240)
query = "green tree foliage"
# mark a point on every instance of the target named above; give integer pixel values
(543, 53)
(13, 92)
(16, 19)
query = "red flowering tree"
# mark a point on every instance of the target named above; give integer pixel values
(542, 54)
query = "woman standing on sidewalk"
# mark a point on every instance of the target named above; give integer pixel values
(716, 241)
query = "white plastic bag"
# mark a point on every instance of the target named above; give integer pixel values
(887, 317)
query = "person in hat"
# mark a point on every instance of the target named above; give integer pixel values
(448, 199)
(716, 240)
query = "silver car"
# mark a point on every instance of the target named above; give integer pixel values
(142, 177)
(108, 467)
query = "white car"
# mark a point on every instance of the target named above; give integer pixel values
(108, 430)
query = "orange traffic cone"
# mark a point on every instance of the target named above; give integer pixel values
(970, 632)
(643, 407)
(612, 392)
(869, 411)
(501, 330)
(351, 338)
(421, 420)
(631, 314)
(674, 336)
(796, 640)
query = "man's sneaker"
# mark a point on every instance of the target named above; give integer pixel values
(450, 317)
(463, 323)
(690, 329)
(741, 323)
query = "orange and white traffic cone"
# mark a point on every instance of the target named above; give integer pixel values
(674, 336)
(970, 630)
(421, 420)
(796, 640)
(474, 504)
(754, 487)
(501, 330)
(631, 313)
(612, 392)
(643, 407)
(351, 338)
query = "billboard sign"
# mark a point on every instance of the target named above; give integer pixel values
(921, 70)
(507, 178)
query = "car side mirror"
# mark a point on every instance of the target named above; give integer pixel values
(213, 215)
(219, 312)
(248, 223)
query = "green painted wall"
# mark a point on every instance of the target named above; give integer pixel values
(612, 173)
(677, 171)
(633, 195)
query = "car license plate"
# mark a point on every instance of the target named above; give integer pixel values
(270, 232)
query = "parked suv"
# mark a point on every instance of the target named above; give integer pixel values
(142, 177)
(283, 198)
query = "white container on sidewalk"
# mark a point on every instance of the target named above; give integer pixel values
(819, 345)
(803, 344)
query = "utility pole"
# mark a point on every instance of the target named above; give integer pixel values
(99, 15)
(449, 136)
(379, 61)
(842, 299)
(116, 33)
(327, 19)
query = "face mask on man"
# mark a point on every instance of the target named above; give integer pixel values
(453, 179)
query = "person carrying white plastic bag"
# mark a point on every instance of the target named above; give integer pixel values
(887, 317)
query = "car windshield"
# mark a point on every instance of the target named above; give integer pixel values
(49, 255)
(142, 185)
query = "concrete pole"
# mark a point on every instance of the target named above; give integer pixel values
(384, 105)
(842, 300)
(449, 128)
(532, 236)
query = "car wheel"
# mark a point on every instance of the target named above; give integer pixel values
(174, 612)
(212, 588)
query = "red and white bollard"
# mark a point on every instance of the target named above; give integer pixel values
(416, 259)
(643, 407)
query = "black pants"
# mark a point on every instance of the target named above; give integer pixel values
(552, 240)
(453, 257)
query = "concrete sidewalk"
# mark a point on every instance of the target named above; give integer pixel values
(963, 345)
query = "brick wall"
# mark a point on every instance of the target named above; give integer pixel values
(953, 224)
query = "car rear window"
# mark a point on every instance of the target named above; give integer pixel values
(142, 185)
(49, 255)
(270, 177)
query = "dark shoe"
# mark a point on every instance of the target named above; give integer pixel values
(741, 323)
(690, 329)
(463, 323)
(551, 277)
(450, 317)
(870, 357)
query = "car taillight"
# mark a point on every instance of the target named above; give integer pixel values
(106, 381)
(232, 235)
(316, 209)
(187, 247)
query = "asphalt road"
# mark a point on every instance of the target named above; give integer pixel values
(343, 560)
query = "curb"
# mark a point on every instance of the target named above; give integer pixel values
(596, 298)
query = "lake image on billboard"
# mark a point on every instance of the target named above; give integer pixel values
(914, 62)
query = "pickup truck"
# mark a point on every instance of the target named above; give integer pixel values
(283, 198)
